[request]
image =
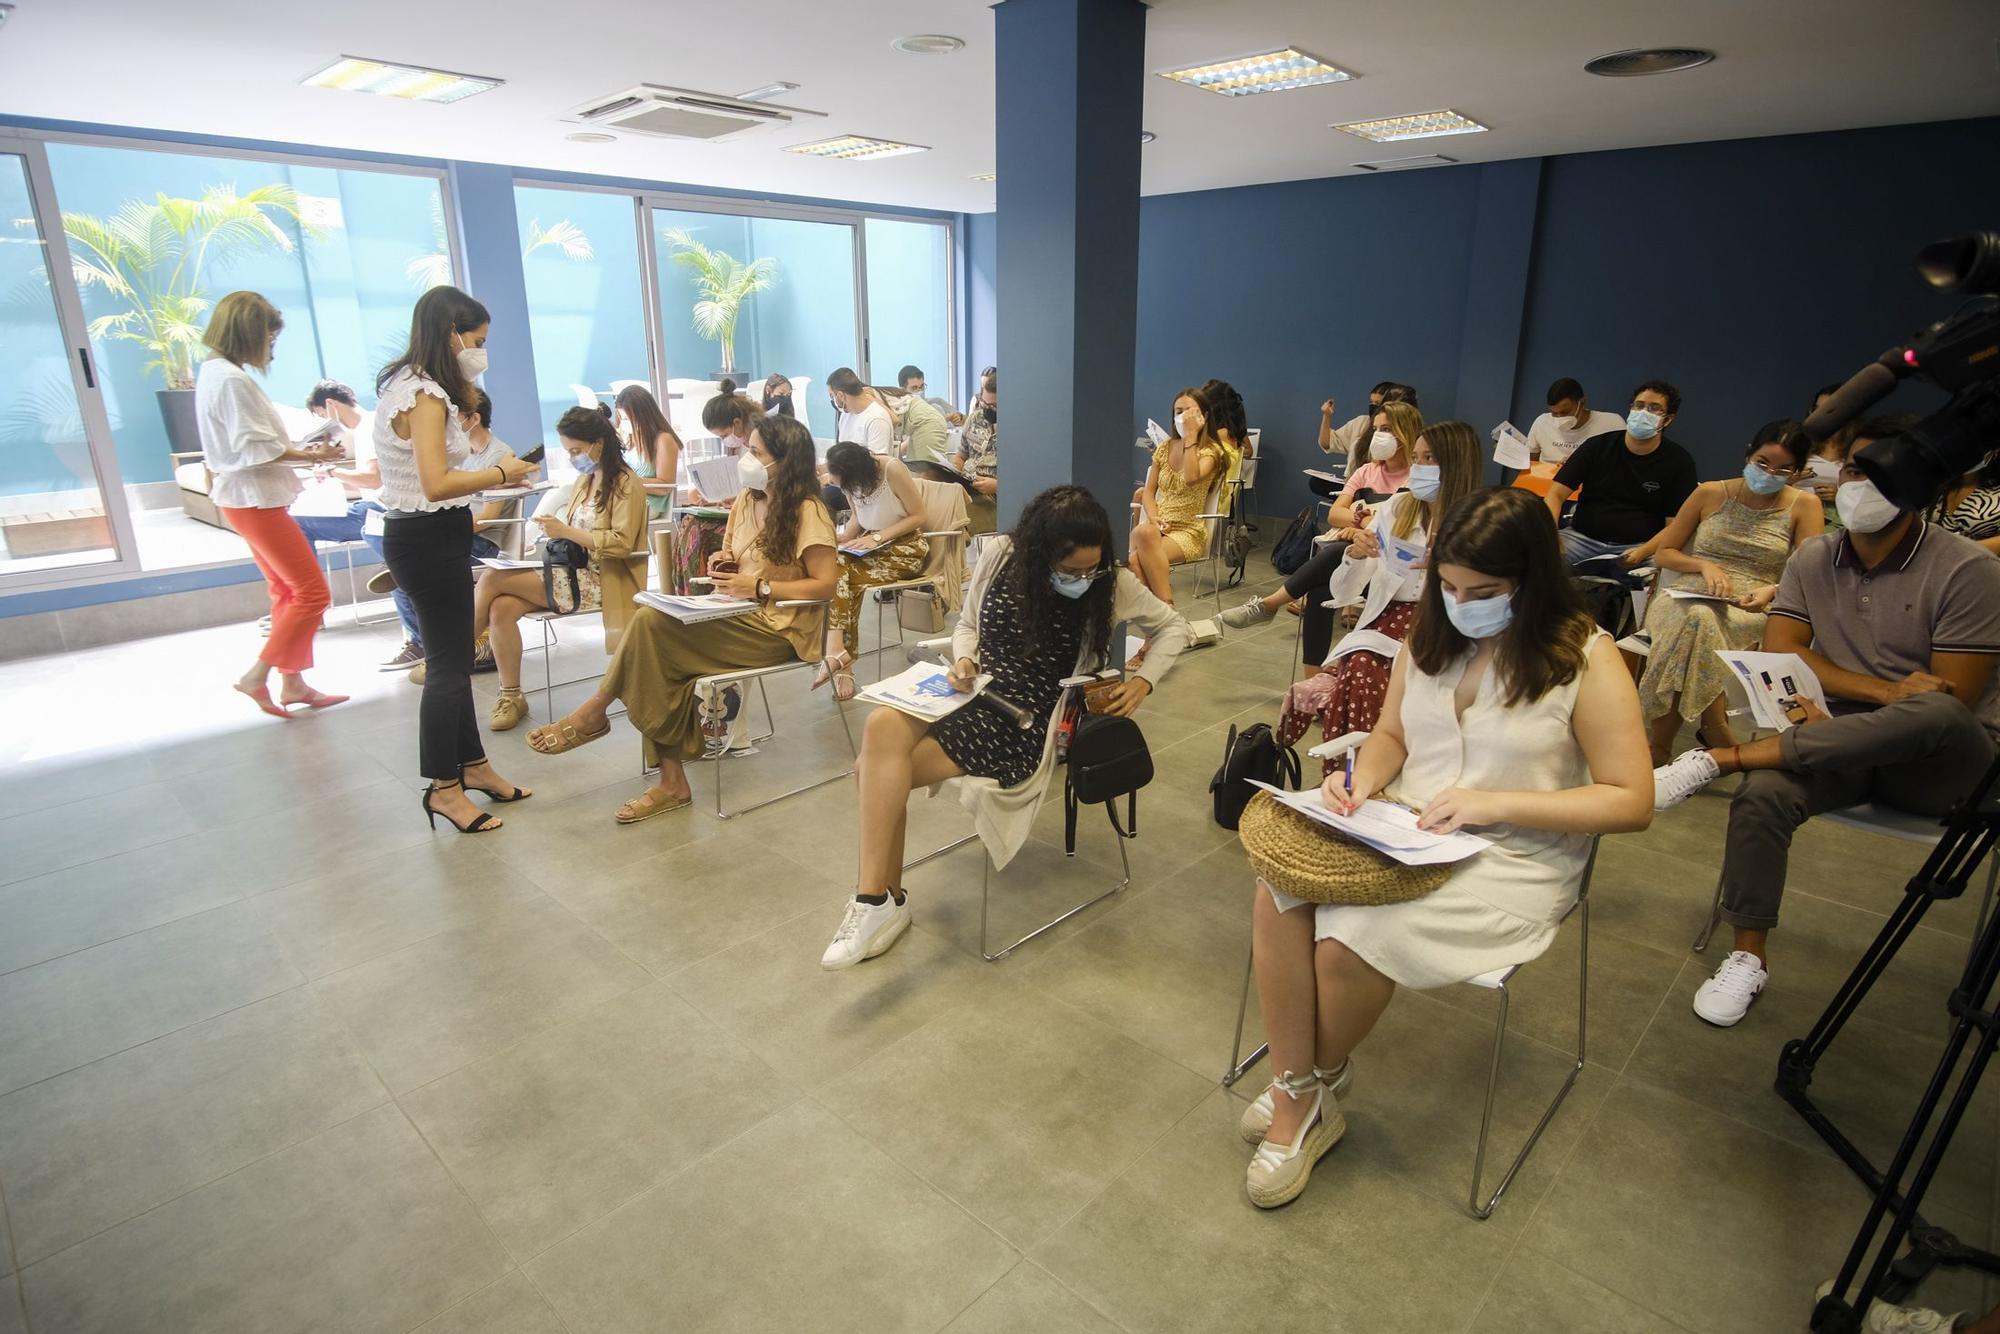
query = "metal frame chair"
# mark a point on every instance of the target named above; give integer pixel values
(1498, 980)
(324, 552)
(1890, 823)
(954, 540)
(759, 675)
(937, 648)
(1222, 508)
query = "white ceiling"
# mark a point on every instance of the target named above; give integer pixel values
(209, 67)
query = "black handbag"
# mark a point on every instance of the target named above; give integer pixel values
(1108, 759)
(561, 559)
(1251, 753)
(1295, 545)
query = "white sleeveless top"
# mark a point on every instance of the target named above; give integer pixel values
(401, 490)
(880, 507)
(1501, 907)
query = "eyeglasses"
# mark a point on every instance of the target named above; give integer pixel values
(1770, 471)
(1659, 408)
(1092, 575)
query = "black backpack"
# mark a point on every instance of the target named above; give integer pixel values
(1252, 753)
(1108, 759)
(1295, 545)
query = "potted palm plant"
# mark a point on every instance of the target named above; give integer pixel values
(156, 258)
(723, 283)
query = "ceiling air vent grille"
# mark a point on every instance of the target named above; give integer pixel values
(1653, 60)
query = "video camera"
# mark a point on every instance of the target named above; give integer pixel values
(1960, 354)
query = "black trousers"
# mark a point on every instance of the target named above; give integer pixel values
(431, 556)
(1310, 582)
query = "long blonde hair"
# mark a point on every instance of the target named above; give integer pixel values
(1455, 445)
(1406, 424)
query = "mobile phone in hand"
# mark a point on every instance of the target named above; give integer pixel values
(535, 455)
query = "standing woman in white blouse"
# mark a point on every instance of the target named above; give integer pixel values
(427, 491)
(249, 453)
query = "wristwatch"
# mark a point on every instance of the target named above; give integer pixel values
(763, 590)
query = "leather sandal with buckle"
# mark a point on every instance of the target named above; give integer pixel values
(649, 804)
(557, 737)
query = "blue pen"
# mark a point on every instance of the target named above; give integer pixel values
(1350, 773)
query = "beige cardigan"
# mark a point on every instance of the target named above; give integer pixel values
(618, 549)
(1003, 816)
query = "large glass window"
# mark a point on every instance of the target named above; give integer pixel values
(156, 238)
(586, 295)
(909, 302)
(52, 510)
(749, 297)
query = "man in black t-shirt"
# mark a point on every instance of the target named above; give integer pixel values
(1633, 482)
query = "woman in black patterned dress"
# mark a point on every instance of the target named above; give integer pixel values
(1040, 608)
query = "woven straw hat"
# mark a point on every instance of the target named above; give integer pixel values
(1307, 860)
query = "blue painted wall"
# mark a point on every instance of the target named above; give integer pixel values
(982, 255)
(1747, 272)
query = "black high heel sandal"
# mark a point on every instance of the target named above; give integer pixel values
(519, 793)
(479, 824)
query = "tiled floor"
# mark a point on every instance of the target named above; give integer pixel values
(275, 1057)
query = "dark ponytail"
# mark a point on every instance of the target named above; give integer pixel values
(593, 427)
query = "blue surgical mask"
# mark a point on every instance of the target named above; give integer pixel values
(584, 463)
(1070, 585)
(1425, 480)
(1642, 424)
(1760, 481)
(1480, 618)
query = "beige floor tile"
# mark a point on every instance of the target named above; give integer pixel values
(115, 820)
(568, 834)
(1194, 691)
(444, 1002)
(1696, 1216)
(511, 1306)
(821, 828)
(319, 834)
(356, 1229)
(1220, 882)
(1164, 974)
(94, 1147)
(803, 1226)
(772, 995)
(13, 1320)
(1038, 885)
(995, 1071)
(676, 907)
(277, 787)
(1868, 1082)
(555, 1132)
(1418, 1094)
(376, 905)
(1536, 1293)
(1175, 1244)
(61, 1014)
(1028, 1301)
(1626, 982)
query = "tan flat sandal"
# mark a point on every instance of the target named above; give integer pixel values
(557, 737)
(645, 806)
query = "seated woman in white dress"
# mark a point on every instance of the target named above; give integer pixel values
(1509, 714)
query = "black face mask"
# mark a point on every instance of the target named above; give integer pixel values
(992, 413)
(778, 403)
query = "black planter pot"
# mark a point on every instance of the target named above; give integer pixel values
(183, 426)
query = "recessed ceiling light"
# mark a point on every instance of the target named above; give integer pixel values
(412, 83)
(767, 92)
(1270, 72)
(987, 176)
(1407, 163)
(853, 147)
(929, 44)
(1423, 125)
(591, 137)
(1147, 136)
(1651, 60)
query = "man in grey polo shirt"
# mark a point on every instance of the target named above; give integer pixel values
(1900, 620)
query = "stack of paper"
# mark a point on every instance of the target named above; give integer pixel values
(691, 608)
(1771, 679)
(1384, 826)
(1510, 447)
(716, 478)
(1695, 595)
(923, 691)
(1156, 433)
(503, 563)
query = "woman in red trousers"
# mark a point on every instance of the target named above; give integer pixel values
(250, 455)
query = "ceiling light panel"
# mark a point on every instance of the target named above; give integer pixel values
(1270, 72)
(856, 147)
(411, 83)
(1423, 125)
(987, 176)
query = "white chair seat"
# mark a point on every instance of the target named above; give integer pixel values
(1496, 979)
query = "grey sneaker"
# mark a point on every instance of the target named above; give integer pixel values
(1250, 613)
(1675, 783)
(408, 656)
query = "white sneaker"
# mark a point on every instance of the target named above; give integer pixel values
(1675, 783)
(867, 930)
(1724, 999)
(1249, 614)
(1884, 1318)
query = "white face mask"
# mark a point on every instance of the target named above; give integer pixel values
(472, 362)
(1180, 427)
(1863, 508)
(752, 473)
(1382, 446)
